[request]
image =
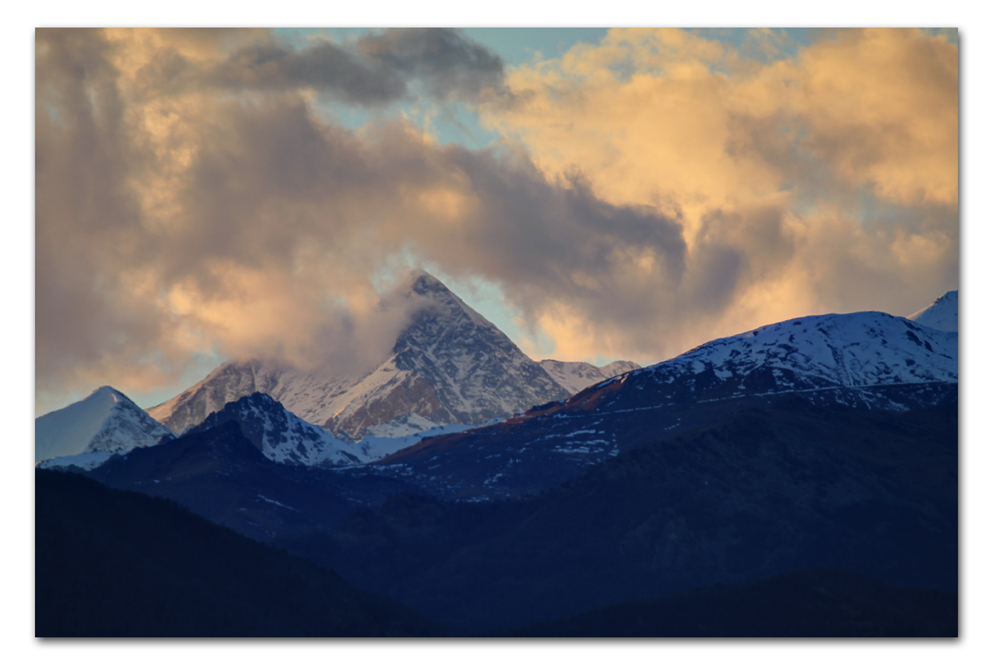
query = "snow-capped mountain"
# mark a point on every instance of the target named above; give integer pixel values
(942, 314)
(449, 365)
(106, 421)
(282, 436)
(852, 356)
(575, 376)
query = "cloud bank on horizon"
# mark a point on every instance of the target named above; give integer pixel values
(199, 192)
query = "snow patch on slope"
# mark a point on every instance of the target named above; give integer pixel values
(406, 425)
(575, 376)
(374, 448)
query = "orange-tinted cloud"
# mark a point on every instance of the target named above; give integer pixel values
(834, 169)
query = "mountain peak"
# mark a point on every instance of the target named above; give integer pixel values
(107, 394)
(281, 435)
(420, 282)
(417, 273)
(941, 315)
(422, 287)
(106, 420)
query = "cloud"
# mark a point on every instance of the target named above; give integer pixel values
(447, 63)
(881, 107)
(85, 218)
(811, 180)
(375, 70)
(191, 197)
(325, 67)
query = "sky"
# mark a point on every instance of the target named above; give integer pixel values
(599, 194)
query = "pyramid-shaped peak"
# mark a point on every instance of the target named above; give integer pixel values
(106, 420)
(950, 298)
(427, 287)
(942, 314)
(420, 281)
(422, 286)
(107, 396)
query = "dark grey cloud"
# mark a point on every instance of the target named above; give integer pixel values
(325, 67)
(378, 69)
(446, 62)
(558, 242)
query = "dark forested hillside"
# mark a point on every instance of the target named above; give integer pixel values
(814, 602)
(756, 494)
(114, 563)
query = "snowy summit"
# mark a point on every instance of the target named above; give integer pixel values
(942, 314)
(105, 421)
(868, 359)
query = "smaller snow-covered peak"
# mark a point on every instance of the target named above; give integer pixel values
(106, 420)
(86, 461)
(942, 314)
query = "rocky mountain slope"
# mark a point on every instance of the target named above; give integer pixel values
(449, 365)
(223, 476)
